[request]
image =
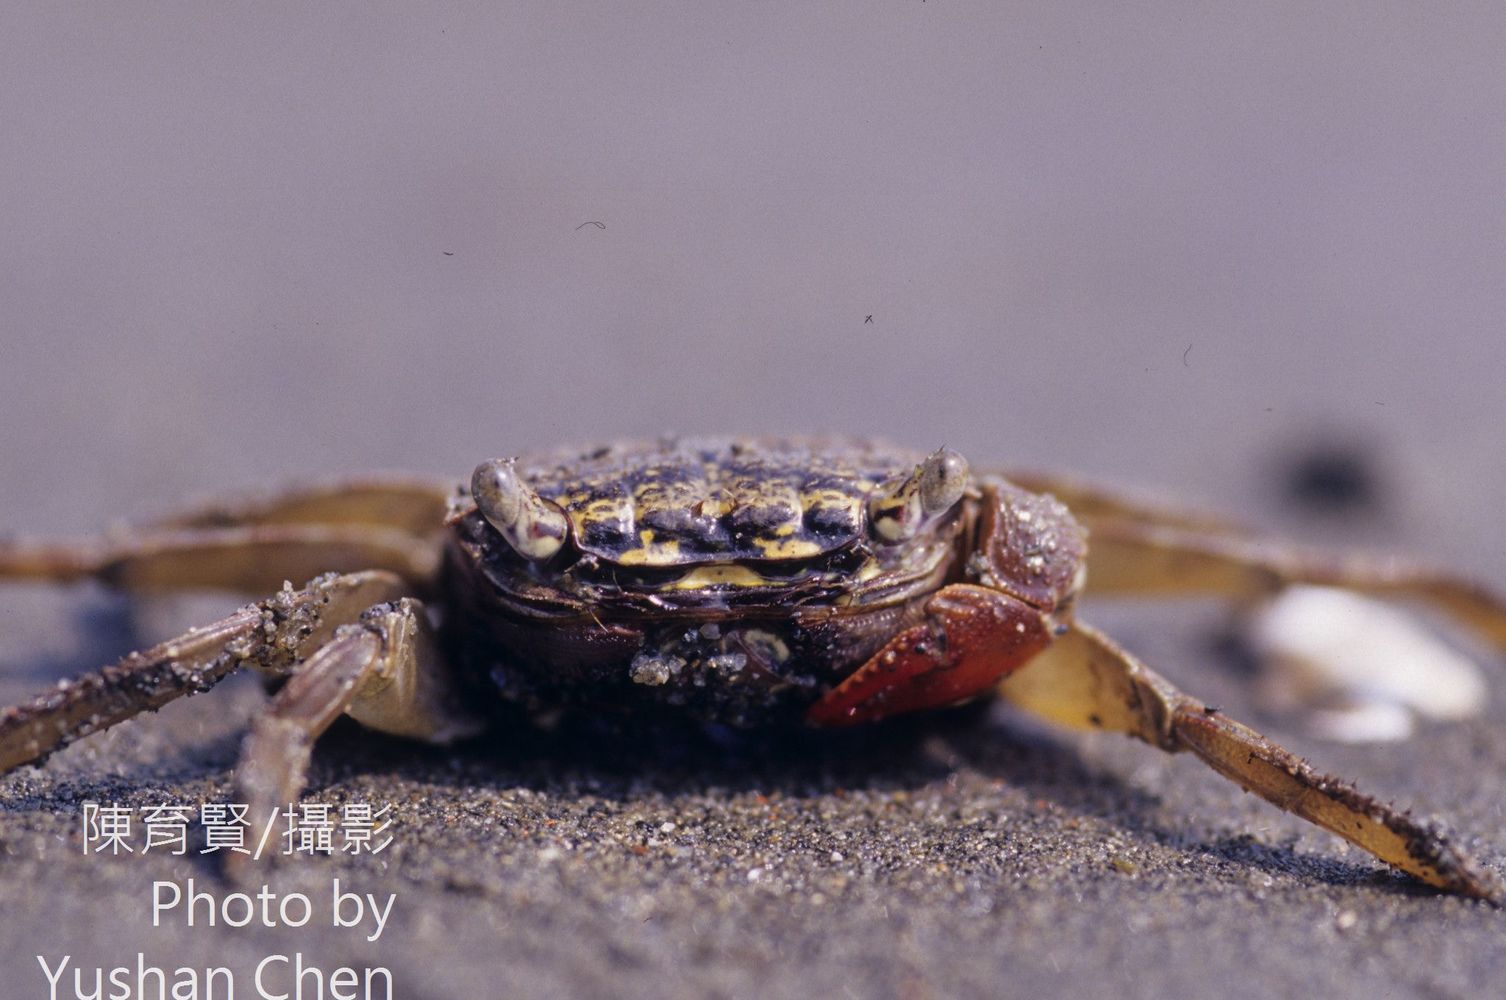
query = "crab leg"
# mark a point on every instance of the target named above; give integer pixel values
(1157, 560)
(1094, 505)
(254, 544)
(1142, 547)
(270, 636)
(410, 504)
(386, 672)
(253, 558)
(1084, 680)
(141, 682)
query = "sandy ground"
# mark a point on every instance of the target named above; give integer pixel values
(973, 854)
(1182, 251)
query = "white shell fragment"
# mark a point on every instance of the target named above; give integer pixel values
(1358, 670)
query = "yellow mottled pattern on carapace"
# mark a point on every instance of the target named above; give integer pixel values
(683, 502)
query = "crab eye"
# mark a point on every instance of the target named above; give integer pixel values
(900, 508)
(533, 526)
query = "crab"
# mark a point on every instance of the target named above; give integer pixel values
(751, 582)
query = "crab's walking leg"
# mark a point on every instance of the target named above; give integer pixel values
(386, 672)
(141, 682)
(1093, 505)
(402, 503)
(270, 636)
(1125, 557)
(254, 544)
(251, 558)
(1083, 679)
(1141, 547)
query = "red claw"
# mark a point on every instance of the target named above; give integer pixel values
(971, 637)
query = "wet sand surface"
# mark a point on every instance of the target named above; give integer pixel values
(974, 854)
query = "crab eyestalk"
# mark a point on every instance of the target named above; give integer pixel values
(534, 527)
(900, 508)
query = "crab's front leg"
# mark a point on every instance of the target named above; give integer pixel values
(352, 644)
(1085, 680)
(385, 671)
(273, 637)
(347, 643)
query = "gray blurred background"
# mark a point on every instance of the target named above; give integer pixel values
(1191, 248)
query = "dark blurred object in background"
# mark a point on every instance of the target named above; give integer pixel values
(1332, 477)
